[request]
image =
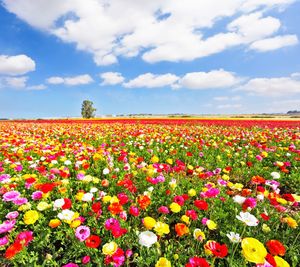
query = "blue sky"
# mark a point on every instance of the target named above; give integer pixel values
(200, 57)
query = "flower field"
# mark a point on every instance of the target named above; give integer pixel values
(165, 192)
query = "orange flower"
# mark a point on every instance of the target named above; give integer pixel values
(115, 208)
(54, 223)
(181, 229)
(144, 202)
(275, 247)
(257, 180)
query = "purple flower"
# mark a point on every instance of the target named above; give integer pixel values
(82, 233)
(12, 215)
(20, 201)
(3, 241)
(7, 226)
(11, 196)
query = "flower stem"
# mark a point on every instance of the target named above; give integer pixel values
(236, 246)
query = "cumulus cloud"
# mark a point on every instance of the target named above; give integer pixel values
(71, 81)
(205, 80)
(227, 98)
(281, 86)
(111, 78)
(274, 43)
(150, 80)
(16, 65)
(229, 106)
(157, 30)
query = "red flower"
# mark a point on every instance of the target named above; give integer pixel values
(270, 259)
(265, 216)
(276, 247)
(216, 249)
(96, 207)
(93, 241)
(197, 262)
(68, 204)
(201, 204)
(144, 202)
(12, 250)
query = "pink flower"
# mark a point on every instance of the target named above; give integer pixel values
(163, 209)
(134, 211)
(37, 195)
(7, 226)
(71, 264)
(25, 237)
(111, 223)
(86, 259)
(3, 241)
(12, 215)
(11, 196)
(20, 201)
(259, 158)
(82, 233)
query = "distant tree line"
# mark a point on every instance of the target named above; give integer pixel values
(293, 111)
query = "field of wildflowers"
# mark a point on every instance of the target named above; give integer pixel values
(150, 193)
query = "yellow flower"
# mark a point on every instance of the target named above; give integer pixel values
(106, 199)
(211, 225)
(30, 217)
(291, 222)
(170, 161)
(149, 222)
(225, 177)
(154, 159)
(185, 219)
(192, 192)
(109, 248)
(198, 234)
(280, 262)
(43, 206)
(254, 250)
(266, 228)
(75, 223)
(175, 207)
(163, 262)
(79, 196)
(161, 228)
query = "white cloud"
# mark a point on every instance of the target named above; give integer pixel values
(227, 98)
(75, 80)
(274, 43)
(150, 80)
(282, 86)
(209, 80)
(16, 65)
(15, 82)
(36, 87)
(157, 30)
(111, 78)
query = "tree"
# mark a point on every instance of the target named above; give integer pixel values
(87, 109)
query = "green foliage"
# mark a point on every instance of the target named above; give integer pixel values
(87, 109)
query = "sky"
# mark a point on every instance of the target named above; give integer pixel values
(158, 56)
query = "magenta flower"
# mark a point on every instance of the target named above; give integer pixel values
(37, 195)
(71, 264)
(3, 241)
(82, 233)
(11, 196)
(86, 259)
(111, 223)
(163, 209)
(7, 226)
(25, 237)
(4, 178)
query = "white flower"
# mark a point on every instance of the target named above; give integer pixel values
(239, 199)
(150, 189)
(54, 162)
(260, 197)
(67, 162)
(66, 215)
(234, 237)
(106, 171)
(58, 203)
(87, 197)
(275, 175)
(147, 238)
(247, 218)
(93, 190)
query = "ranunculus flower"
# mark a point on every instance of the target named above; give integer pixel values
(275, 247)
(30, 217)
(181, 229)
(147, 238)
(93, 241)
(254, 250)
(248, 218)
(215, 248)
(82, 233)
(163, 262)
(149, 222)
(109, 248)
